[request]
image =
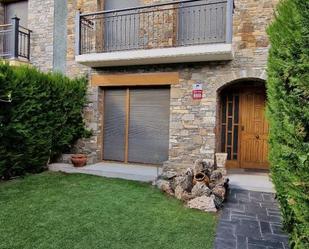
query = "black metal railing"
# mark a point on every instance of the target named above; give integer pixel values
(173, 24)
(14, 41)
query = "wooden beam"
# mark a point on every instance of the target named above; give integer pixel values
(138, 79)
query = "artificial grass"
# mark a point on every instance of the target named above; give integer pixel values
(53, 210)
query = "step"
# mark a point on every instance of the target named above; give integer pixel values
(112, 170)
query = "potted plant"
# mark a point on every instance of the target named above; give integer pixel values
(79, 160)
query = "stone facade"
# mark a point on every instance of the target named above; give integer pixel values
(192, 122)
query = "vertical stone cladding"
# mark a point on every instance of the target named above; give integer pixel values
(91, 111)
(41, 22)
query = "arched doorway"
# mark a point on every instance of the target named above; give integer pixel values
(242, 127)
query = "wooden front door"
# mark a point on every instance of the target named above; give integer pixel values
(244, 128)
(254, 130)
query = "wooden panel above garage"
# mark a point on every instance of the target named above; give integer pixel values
(138, 79)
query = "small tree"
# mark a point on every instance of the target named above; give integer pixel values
(288, 112)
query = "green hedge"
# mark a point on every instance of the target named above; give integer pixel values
(43, 119)
(288, 111)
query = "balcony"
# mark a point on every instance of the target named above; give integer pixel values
(174, 32)
(14, 41)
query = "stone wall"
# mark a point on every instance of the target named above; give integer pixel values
(193, 123)
(73, 69)
(158, 28)
(41, 22)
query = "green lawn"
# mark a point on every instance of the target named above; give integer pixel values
(53, 210)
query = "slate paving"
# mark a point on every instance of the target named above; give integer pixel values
(250, 220)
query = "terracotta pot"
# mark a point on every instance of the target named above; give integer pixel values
(79, 160)
(201, 177)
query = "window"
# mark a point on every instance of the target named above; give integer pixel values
(19, 9)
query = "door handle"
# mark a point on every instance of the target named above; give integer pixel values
(242, 127)
(257, 136)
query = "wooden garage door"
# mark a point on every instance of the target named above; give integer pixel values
(136, 125)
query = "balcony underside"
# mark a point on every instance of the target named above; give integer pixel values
(196, 53)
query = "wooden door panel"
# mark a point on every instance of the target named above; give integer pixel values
(254, 130)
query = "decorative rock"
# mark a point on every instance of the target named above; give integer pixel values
(212, 185)
(168, 175)
(186, 182)
(223, 171)
(218, 201)
(209, 167)
(203, 203)
(165, 186)
(190, 172)
(186, 196)
(200, 189)
(222, 182)
(182, 195)
(219, 191)
(179, 192)
(216, 176)
(198, 166)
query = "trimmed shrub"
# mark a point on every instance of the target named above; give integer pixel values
(288, 112)
(43, 119)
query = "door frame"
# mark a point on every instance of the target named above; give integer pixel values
(240, 87)
(104, 81)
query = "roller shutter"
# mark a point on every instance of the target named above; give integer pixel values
(114, 124)
(136, 124)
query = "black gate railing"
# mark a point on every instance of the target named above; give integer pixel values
(14, 40)
(173, 24)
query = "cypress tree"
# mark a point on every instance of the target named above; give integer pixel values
(288, 114)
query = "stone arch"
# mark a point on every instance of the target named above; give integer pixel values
(240, 81)
(240, 75)
(257, 79)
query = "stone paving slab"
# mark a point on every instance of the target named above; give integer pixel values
(250, 220)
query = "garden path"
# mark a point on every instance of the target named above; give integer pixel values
(250, 220)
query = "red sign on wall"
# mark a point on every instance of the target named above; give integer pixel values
(197, 92)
